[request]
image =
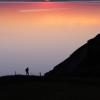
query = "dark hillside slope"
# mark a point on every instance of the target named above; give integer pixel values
(84, 61)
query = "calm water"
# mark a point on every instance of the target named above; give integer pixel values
(42, 34)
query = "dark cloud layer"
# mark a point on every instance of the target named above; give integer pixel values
(43, 0)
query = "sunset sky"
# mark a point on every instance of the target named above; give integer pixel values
(40, 35)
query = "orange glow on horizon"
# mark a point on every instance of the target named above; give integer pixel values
(43, 34)
(47, 16)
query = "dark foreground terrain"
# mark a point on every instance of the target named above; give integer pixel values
(40, 88)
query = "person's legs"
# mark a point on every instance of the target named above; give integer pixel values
(27, 73)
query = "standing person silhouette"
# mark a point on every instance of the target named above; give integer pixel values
(27, 71)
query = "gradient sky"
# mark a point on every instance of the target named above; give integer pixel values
(40, 35)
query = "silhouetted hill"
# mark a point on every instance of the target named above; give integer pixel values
(85, 61)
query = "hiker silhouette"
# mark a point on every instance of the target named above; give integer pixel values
(27, 71)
